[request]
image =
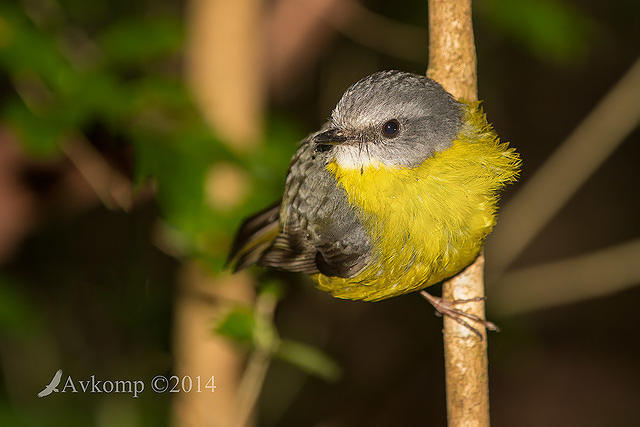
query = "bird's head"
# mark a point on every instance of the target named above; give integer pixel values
(392, 118)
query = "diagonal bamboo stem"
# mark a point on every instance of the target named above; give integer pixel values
(452, 62)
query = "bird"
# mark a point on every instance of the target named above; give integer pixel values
(394, 193)
(52, 386)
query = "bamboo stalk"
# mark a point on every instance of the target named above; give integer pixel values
(452, 63)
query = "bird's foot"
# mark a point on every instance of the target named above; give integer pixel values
(447, 308)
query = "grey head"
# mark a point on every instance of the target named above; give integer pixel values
(390, 117)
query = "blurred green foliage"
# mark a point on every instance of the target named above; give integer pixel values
(69, 74)
(247, 326)
(125, 77)
(238, 324)
(309, 359)
(134, 42)
(18, 316)
(552, 31)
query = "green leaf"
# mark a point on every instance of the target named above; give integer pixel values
(309, 359)
(40, 135)
(551, 30)
(238, 325)
(17, 314)
(272, 288)
(25, 49)
(136, 41)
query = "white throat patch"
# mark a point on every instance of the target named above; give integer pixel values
(355, 157)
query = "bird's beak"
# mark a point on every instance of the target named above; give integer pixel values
(330, 136)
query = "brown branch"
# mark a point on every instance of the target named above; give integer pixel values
(465, 355)
(452, 52)
(452, 62)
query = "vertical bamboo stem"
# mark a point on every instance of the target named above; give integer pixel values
(452, 62)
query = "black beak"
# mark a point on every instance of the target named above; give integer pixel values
(330, 137)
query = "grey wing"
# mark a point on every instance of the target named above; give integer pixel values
(319, 231)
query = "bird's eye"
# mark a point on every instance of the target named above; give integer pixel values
(390, 129)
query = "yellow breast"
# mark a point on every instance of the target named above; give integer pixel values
(426, 223)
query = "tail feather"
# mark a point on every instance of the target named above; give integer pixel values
(255, 236)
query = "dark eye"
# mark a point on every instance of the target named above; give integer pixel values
(390, 129)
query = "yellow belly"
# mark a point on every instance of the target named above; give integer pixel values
(426, 223)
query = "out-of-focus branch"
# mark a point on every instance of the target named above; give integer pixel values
(198, 351)
(112, 188)
(570, 280)
(568, 168)
(258, 364)
(224, 72)
(297, 31)
(452, 62)
(385, 35)
(224, 67)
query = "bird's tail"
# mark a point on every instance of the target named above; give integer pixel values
(255, 236)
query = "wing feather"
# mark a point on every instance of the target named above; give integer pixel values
(255, 236)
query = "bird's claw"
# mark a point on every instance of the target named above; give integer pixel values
(446, 308)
